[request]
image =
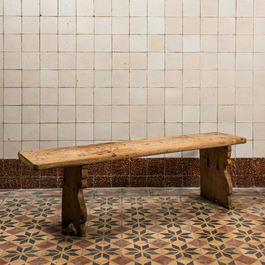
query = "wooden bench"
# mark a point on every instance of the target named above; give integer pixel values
(215, 151)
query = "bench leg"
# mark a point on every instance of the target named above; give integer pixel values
(73, 203)
(215, 180)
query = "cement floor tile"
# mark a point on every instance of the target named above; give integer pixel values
(140, 252)
(248, 235)
(21, 254)
(184, 261)
(226, 262)
(176, 235)
(170, 227)
(164, 192)
(102, 253)
(166, 200)
(205, 222)
(135, 201)
(62, 253)
(29, 237)
(139, 236)
(181, 250)
(135, 192)
(106, 192)
(24, 193)
(254, 250)
(218, 250)
(212, 235)
(50, 193)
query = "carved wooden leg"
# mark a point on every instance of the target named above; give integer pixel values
(73, 203)
(215, 180)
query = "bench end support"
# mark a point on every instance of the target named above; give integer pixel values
(73, 203)
(216, 184)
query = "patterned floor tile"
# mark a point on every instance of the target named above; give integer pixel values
(227, 262)
(171, 222)
(136, 201)
(181, 251)
(169, 210)
(23, 193)
(21, 254)
(142, 253)
(164, 192)
(39, 223)
(199, 210)
(166, 200)
(140, 236)
(255, 250)
(32, 237)
(50, 193)
(106, 201)
(4, 193)
(62, 253)
(135, 192)
(220, 251)
(248, 235)
(102, 253)
(104, 237)
(238, 222)
(213, 235)
(149, 226)
(176, 235)
(104, 224)
(204, 222)
(17, 202)
(8, 223)
(107, 192)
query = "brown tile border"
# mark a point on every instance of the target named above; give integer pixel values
(136, 172)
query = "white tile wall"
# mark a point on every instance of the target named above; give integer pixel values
(84, 71)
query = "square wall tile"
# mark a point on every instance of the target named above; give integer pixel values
(12, 114)
(102, 96)
(48, 7)
(138, 25)
(12, 132)
(102, 131)
(138, 8)
(30, 8)
(120, 8)
(66, 113)
(12, 8)
(120, 114)
(84, 113)
(66, 132)
(173, 8)
(191, 113)
(30, 132)
(120, 131)
(84, 131)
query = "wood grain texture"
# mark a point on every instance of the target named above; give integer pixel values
(216, 184)
(86, 154)
(73, 203)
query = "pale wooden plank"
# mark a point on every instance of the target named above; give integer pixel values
(86, 154)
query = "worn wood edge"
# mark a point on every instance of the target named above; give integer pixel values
(27, 162)
(152, 151)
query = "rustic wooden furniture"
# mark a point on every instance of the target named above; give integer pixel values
(215, 151)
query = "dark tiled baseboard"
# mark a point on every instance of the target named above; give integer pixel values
(138, 172)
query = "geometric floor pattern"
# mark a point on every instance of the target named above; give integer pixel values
(150, 226)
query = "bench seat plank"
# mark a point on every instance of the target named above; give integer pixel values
(86, 154)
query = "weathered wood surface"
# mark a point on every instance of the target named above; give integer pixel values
(86, 154)
(216, 184)
(73, 203)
